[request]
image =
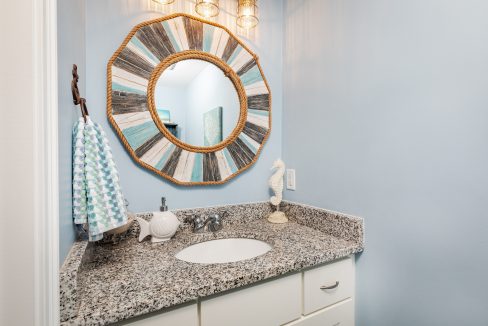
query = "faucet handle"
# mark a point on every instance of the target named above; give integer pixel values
(215, 226)
(198, 221)
(189, 217)
(215, 222)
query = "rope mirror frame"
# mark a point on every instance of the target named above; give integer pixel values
(132, 74)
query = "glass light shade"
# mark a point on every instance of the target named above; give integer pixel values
(164, 2)
(247, 14)
(207, 8)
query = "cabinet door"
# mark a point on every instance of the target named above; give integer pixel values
(340, 314)
(325, 285)
(182, 316)
(273, 303)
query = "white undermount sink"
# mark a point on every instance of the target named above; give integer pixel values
(223, 251)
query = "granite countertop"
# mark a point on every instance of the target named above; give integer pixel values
(129, 279)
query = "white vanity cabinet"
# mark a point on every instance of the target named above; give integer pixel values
(319, 296)
(328, 284)
(275, 302)
(340, 314)
(328, 295)
(181, 316)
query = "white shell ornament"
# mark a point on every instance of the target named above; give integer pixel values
(162, 226)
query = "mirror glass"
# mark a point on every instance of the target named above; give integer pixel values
(197, 103)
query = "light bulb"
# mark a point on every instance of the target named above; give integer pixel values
(164, 2)
(207, 8)
(247, 14)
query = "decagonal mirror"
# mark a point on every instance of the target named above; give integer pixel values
(188, 100)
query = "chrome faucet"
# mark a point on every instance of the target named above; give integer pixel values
(213, 222)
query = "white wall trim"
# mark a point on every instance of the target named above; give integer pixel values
(46, 225)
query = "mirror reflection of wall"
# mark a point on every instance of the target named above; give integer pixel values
(200, 102)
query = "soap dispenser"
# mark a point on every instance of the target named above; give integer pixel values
(162, 227)
(163, 207)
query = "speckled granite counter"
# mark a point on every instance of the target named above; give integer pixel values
(129, 279)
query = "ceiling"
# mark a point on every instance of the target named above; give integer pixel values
(182, 73)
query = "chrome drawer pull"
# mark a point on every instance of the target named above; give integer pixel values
(323, 287)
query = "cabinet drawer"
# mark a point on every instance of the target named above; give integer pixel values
(340, 314)
(268, 304)
(338, 276)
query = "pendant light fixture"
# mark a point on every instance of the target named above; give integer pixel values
(207, 8)
(247, 14)
(164, 2)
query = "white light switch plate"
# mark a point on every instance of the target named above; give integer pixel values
(290, 179)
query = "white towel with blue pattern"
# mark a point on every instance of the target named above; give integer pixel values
(97, 197)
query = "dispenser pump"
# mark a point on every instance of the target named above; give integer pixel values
(163, 207)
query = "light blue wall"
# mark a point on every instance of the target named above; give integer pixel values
(386, 117)
(209, 90)
(174, 100)
(107, 24)
(71, 49)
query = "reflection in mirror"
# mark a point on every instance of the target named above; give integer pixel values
(197, 103)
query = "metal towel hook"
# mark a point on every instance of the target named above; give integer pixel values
(77, 99)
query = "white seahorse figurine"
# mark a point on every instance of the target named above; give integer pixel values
(276, 184)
